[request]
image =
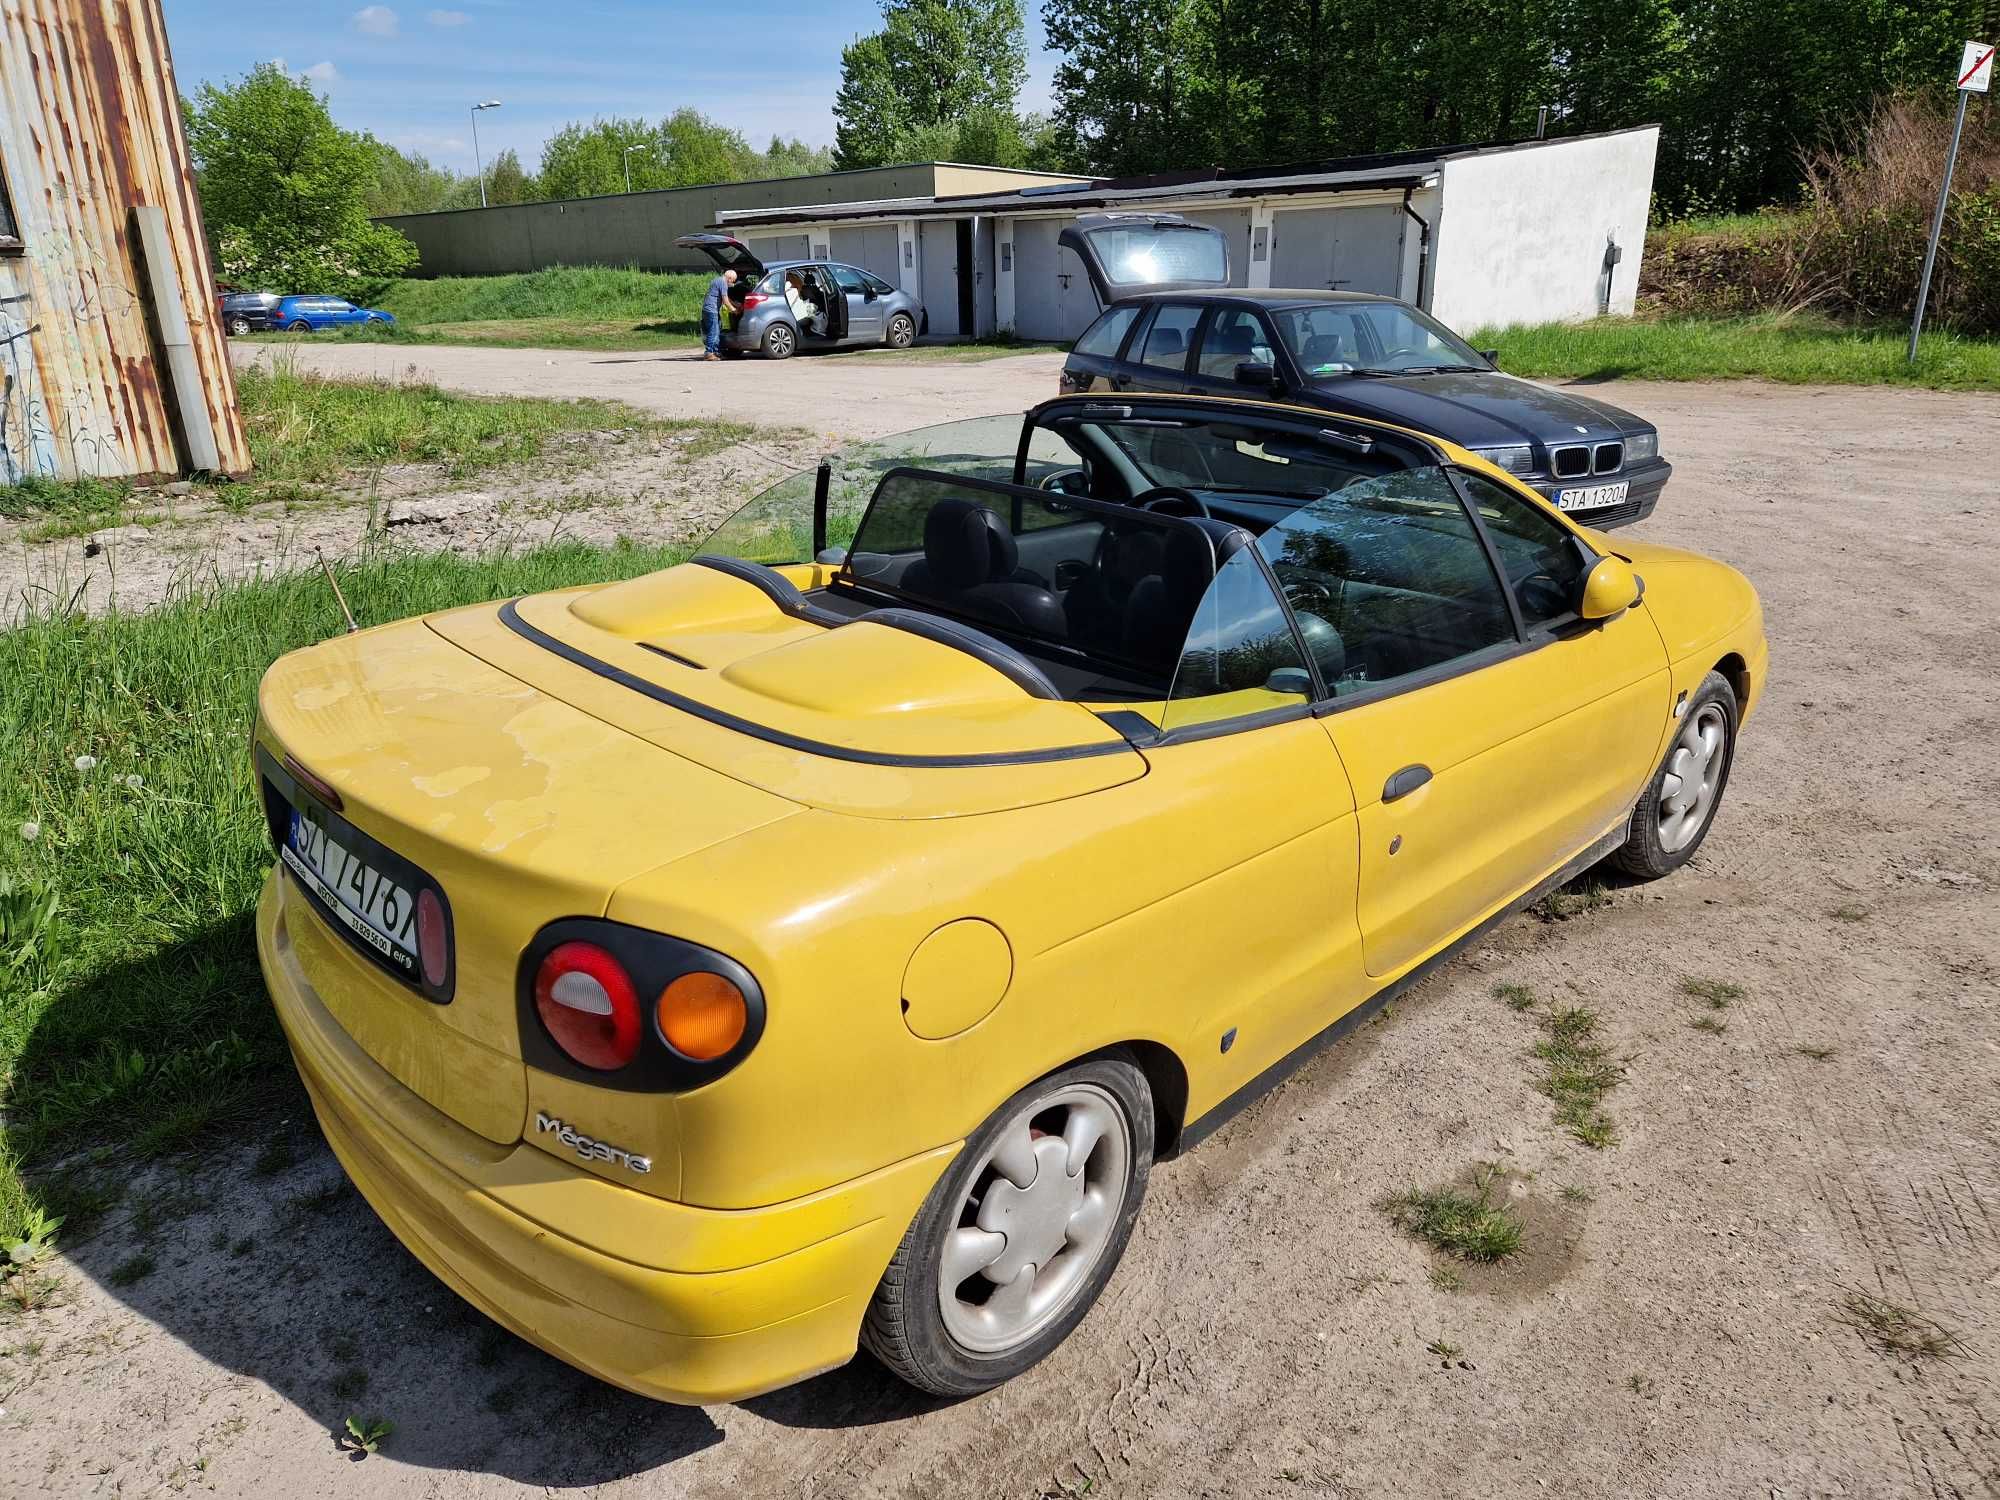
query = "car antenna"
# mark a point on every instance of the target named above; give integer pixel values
(339, 598)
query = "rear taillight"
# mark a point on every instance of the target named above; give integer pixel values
(634, 1010)
(586, 1001)
(755, 299)
(433, 938)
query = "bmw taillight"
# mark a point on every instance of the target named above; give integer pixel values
(634, 1010)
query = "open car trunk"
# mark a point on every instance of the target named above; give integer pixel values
(1125, 254)
(728, 254)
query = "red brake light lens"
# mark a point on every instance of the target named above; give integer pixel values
(754, 299)
(433, 939)
(586, 1001)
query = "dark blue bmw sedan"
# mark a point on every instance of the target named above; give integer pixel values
(1172, 323)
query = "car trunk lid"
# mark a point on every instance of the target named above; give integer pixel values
(855, 717)
(520, 807)
(1124, 254)
(727, 252)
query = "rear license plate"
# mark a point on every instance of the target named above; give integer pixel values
(1593, 497)
(373, 905)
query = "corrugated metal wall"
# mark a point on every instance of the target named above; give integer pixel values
(90, 129)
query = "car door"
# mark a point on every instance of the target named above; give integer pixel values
(1156, 358)
(1490, 734)
(1235, 342)
(864, 308)
(344, 312)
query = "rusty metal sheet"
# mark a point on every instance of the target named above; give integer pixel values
(90, 129)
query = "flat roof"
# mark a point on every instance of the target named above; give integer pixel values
(1390, 170)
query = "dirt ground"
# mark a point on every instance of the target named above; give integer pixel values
(1675, 1325)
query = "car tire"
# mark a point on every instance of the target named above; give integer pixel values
(994, 1331)
(299, 325)
(1678, 808)
(239, 326)
(901, 332)
(780, 341)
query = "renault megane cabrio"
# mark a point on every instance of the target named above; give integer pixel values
(819, 942)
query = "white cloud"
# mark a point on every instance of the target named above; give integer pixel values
(321, 72)
(375, 20)
(447, 18)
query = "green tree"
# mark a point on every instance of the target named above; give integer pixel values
(285, 191)
(685, 149)
(792, 158)
(506, 182)
(406, 183)
(934, 67)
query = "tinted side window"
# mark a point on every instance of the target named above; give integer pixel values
(1388, 579)
(1167, 339)
(1543, 561)
(880, 287)
(1235, 336)
(1238, 656)
(850, 279)
(1104, 336)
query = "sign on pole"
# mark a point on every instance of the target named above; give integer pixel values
(1975, 76)
(1975, 69)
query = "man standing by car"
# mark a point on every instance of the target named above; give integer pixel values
(711, 315)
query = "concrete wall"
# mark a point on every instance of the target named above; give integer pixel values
(639, 229)
(1522, 233)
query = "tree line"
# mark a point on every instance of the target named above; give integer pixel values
(1739, 87)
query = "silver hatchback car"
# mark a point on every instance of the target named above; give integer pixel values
(783, 306)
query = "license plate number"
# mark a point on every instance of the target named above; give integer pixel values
(1593, 497)
(377, 909)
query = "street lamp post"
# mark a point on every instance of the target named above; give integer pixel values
(642, 146)
(477, 165)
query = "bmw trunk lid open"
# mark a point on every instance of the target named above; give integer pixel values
(817, 944)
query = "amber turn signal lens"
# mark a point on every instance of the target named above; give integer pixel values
(702, 1016)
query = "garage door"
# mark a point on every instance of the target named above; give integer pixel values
(938, 261)
(1052, 296)
(781, 247)
(1234, 222)
(873, 248)
(1345, 249)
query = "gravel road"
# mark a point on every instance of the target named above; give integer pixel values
(1675, 1325)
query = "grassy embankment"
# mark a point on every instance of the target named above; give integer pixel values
(310, 435)
(576, 307)
(133, 1021)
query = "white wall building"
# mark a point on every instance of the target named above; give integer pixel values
(1530, 232)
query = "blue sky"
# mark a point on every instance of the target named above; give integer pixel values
(409, 72)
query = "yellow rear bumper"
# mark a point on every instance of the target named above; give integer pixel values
(696, 1305)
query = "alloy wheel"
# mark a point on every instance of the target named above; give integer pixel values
(1037, 1217)
(1692, 777)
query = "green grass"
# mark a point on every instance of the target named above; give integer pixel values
(1462, 1221)
(1792, 349)
(309, 433)
(1579, 1073)
(131, 1008)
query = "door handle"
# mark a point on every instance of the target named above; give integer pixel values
(1405, 782)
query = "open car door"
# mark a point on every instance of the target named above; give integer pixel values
(728, 252)
(1123, 254)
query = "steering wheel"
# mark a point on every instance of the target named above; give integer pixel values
(1399, 353)
(1163, 494)
(1310, 596)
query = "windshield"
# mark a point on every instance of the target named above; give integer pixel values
(1371, 338)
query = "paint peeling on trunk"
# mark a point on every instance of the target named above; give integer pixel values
(90, 128)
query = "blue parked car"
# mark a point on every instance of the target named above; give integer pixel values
(310, 314)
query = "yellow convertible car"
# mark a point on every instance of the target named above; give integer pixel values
(818, 942)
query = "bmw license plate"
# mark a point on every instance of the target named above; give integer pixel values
(376, 908)
(1593, 497)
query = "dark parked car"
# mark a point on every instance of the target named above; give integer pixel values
(830, 305)
(310, 314)
(247, 312)
(1173, 323)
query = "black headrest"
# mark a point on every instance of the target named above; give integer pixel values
(1189, 566)
(1227, 537)
(965, 544)
(1166, 341)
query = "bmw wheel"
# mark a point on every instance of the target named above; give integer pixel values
(902, 332)
(780, 342)
(1019, 1237)
(1678, 808)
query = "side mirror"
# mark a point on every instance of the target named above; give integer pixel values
(868, 294)
(831, 557)
(1491, 356)
(1293, 681)
(1609, 588)
(1256, 373)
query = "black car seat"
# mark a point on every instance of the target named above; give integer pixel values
(1095, 604)
(969, 564)
(1223, 355)
(1162, 605)
(1323, 349)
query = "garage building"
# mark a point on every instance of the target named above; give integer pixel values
(1522, 232)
